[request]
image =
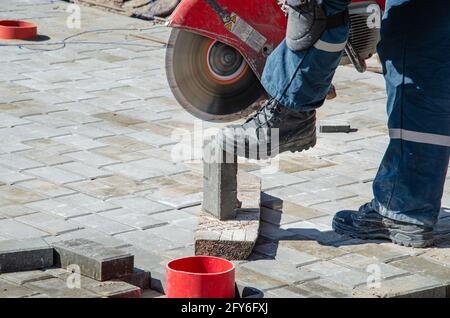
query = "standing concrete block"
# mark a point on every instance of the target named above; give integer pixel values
(235, 238)
(23, 255)
(95, 260)
(219, 181)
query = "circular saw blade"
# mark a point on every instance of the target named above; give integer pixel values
(192, 86)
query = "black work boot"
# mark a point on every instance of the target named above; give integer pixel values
(369, 224)
(272, 130)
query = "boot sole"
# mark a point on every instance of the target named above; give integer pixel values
(394, 235)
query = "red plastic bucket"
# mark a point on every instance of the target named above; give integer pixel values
(200, 277)
(20, 30)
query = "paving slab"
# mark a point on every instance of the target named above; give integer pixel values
(95, 260)
(24, 254)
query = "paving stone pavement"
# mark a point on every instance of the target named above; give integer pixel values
(86, 152)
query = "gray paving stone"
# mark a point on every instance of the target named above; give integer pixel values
(338, 274)
(327, 289)
(273, 232)
(219, 181)
(288, 292)
(95, 260)
(285, 254)
(20, 278)
(24, 254)
(152, 139)
(130, 218)
(87, 202)
(91, 158)
(385, 252)
(18, 162)
(84, 170)
(276, 217)
(362, 263)
(172, 216)
(139, 204)
(50, 223)
(413, 286)
(90, 234)
(178, 235)
(424, 267)
(252, 279)
(146, 169)
(17, 195)
(9, 176)
(314, 231)
(148, 241)
(180, 202)
(19, 230)
(79, 141)
(314, 248)
(113, 289)
(281, 271)
(102, 224)
(46, 188)
(57, 288)
(8, 290)
(12, 211)
(56, 175)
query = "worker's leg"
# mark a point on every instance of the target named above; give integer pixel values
(410, 181)
(301, 80)
(409, 185)
(298, 83)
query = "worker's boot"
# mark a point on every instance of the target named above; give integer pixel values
(272, 130)
(369, 224)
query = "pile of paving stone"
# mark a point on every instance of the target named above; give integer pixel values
(74, 268)
(144, 9)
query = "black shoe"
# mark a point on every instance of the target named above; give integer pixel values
(369, 224)
(257, 138)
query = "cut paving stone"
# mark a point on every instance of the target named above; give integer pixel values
(326, 126)
(219, 181)
(232, 239)
(26, 254)
(95, 260)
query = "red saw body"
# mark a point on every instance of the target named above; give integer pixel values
(218, 49)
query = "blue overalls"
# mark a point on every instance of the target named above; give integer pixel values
(415, 53)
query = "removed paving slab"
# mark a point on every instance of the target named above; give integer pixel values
(83, 269)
